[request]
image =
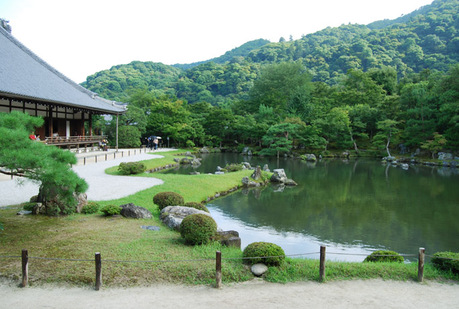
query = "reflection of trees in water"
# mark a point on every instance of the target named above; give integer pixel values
(360, 201)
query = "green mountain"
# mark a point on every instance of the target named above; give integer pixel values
(241, 51)
(423, 40)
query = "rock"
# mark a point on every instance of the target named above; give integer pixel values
(82, 200)
(229, 238)
(246, 182)
(204, 150)
(310, 157)
(246, 165)
(185, 161)
(196, 162)
(39, 209)
(195, 173)
(132, 211)
(405, 166)
(219, 173)
(266, 168)
(245, 150)
(150, 227)
(23, 212)
(257, 173)
(259, 269)
(279, 176)
(249, 153)
(345, 154)
(445, 156)
(290, 182)
(172, 216)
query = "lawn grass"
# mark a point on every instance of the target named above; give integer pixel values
(135, 256)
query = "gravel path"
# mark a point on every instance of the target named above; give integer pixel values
(101, 186)
(252, 294)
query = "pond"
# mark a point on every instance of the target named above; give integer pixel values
(351, 206)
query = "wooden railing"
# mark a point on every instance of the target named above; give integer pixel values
(74, 140)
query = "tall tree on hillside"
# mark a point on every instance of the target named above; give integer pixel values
(280, 86)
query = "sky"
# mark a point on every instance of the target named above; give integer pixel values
(82, 37)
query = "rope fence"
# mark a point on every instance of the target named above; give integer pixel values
(218, 263)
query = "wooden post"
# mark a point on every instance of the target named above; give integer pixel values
(95, 159)
(218, 268)
(98, 271)
(25, 268)
(84, 161)
(105, 157)
(322, 264)
(422, 253)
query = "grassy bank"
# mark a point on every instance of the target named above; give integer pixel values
(135, 256)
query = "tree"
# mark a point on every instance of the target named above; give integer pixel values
(47, 165)
(388, 128)
(277, 138)
(434, 145)
(129, 137)
(278, 85)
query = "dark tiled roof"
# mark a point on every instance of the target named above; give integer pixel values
(23, 74)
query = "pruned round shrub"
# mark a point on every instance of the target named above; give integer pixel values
(446, 260)
(90, 208)
(197, 206)
(164, 199)
(130, 168)
(384, 256)
(111, 210)
(29, 206)
(264, 252)
(198, 229)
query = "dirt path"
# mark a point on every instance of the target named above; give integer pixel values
(253, 294)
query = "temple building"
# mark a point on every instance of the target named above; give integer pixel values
(30, 85)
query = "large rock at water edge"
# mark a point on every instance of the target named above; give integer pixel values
(172, 216)
(279, 176)
(132, 211)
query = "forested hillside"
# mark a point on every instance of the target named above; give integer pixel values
(349, 87)
(427, 41)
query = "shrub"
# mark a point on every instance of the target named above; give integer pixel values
(197, 206)
(233, 167)
(164, 199)
(111, 210)
(29, 206)
(129, 168)
(189, 144)
(446, 260)
(198, 229)
(384, 256)
(90, 208)
(264, 252)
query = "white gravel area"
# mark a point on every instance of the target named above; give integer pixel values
(101, 186)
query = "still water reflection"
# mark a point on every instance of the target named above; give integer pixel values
(353, 207)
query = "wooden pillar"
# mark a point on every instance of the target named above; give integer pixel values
(50, 124)
(90, 124)
(322, 264)
(25, 268)
(218, 270)
(117, 116)
(422, 253)
(98, 271)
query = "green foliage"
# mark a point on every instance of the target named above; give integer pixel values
(448, 261)
(264, 252)
(384, 256)
(111, 210)
(434, 145)
(90, 208)
(129, 137)
(197, 206)
(130, 168)
(48, 165)
(233, 167)
(29, 206)
(164, 199)
(198, 229)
